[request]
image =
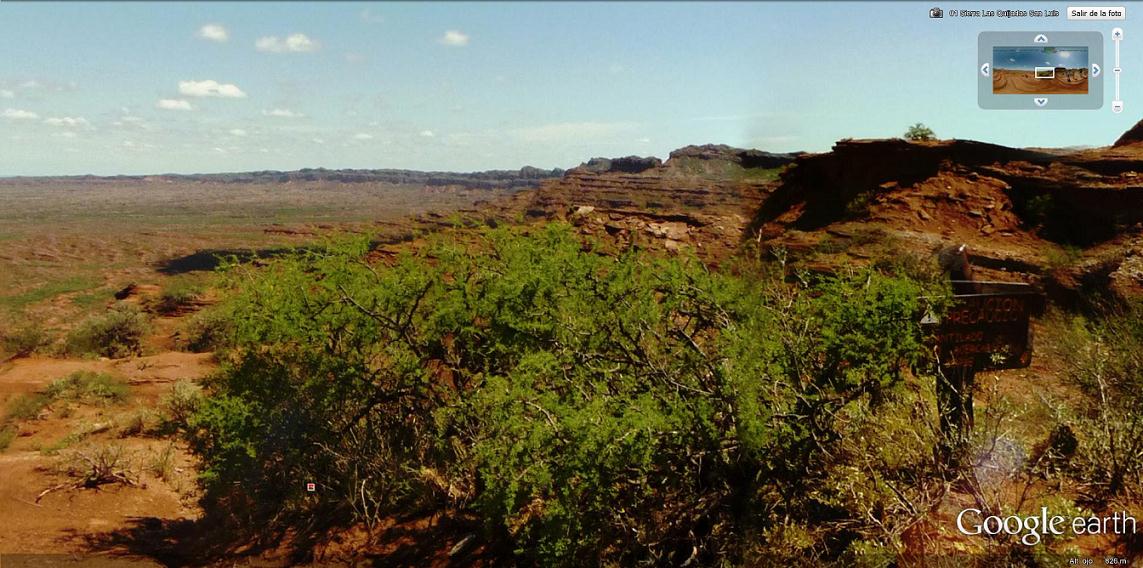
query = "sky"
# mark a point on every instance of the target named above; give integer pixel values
(141, 88)
(1029, 58)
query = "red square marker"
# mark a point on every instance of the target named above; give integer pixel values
(311, 487)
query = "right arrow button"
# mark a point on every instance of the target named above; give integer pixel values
(1095, 70)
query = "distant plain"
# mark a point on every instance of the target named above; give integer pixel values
(67, 244)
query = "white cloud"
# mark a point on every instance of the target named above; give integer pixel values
(294, 43)
(318, 141)
(7, 94)
(616, 69)
(454, 38)
(68, 134)
(210, 88)
(31, 84)
(213, 32)
(131, 121)
(237, 132)
(362, 136)
(69, 121)
(282, 113)
(427, 133)
(173, 104)
(354, 57)
(367, 15)
(18, 114)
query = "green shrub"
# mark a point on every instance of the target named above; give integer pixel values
(208, 330)
(78, 386)
(590, 408)
(1039, 209)
(176, 297)
(7, 434)
(88, 386)
(138, 423)
(25, 339)
(26, 406)
(858, 206)
(1105, 361)
(1062, 257)
(920, 133)
(161, 464)
(182, 402)
(116, 334)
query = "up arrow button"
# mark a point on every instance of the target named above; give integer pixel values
(1040, 39)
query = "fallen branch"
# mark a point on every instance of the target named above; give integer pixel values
(50, 489)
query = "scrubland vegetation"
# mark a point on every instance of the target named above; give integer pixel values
(585, 405)
(577, 404)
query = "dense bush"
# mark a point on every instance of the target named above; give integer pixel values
(118, 333)
(589, 407)
(24, 339)
(1105, 361)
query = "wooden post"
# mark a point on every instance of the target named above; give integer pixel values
(987, 328)
(955, 384)
(956, 381)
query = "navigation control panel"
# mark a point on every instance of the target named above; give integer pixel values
(1053, 70)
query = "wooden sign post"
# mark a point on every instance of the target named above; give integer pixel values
(987, 328)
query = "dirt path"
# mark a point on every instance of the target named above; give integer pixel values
(71, 520)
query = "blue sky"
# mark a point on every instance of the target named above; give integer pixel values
(110, 88)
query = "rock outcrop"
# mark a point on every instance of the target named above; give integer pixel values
(1023, 212)
(1020, 211)
(702, 198)
(626, 165)
(722, 152)
(1134, 135)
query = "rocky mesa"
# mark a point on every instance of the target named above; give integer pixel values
(1070, 220)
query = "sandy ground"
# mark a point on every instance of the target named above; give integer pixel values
(71, 520)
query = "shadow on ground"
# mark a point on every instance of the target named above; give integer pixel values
(210, 259)
(416, 541)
